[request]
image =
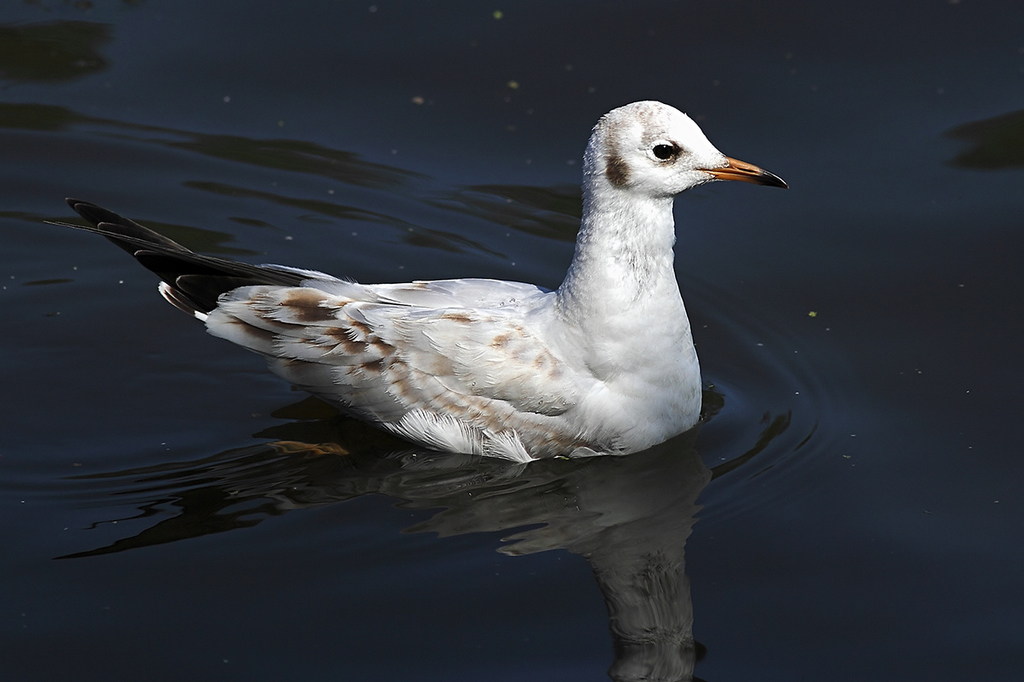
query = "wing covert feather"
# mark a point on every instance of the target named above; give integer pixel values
(384, 359)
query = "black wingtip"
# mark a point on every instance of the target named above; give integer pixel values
(194, 281)
(97, 214)
(77, 205)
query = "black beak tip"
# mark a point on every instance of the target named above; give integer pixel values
(773, 180)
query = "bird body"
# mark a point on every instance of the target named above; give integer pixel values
(605, 364)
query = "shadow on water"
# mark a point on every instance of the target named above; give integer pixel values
(412, 234)
(52, 51)
(998, 142)
(629, 517)
(551, 213)
(297, 156)
(277, 154)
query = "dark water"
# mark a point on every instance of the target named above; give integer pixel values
(851, 510)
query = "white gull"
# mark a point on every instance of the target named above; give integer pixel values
(605, 364)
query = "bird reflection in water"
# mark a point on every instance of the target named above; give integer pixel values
(629, 517)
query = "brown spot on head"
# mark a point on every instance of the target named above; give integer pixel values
(617, 171)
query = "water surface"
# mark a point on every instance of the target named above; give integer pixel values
(850, 508)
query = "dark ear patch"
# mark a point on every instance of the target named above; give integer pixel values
(617, 171)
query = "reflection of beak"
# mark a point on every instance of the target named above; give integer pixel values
(747, 172)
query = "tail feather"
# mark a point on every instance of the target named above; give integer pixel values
(118, 226)
(184, 303)
(192, 282)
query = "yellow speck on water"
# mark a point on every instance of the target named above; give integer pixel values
(514, 85)
(812, 313)
(498, 14)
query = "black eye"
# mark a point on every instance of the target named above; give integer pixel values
(665, 151)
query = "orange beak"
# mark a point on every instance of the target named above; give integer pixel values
(746, 172)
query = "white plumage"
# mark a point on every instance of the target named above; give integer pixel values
(603, 365)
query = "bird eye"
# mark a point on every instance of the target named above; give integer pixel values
(665, 151)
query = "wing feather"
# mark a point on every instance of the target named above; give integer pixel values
(483, 367)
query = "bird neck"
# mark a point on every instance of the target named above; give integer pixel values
(623, 255)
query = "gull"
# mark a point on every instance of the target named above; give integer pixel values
(603, 365)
